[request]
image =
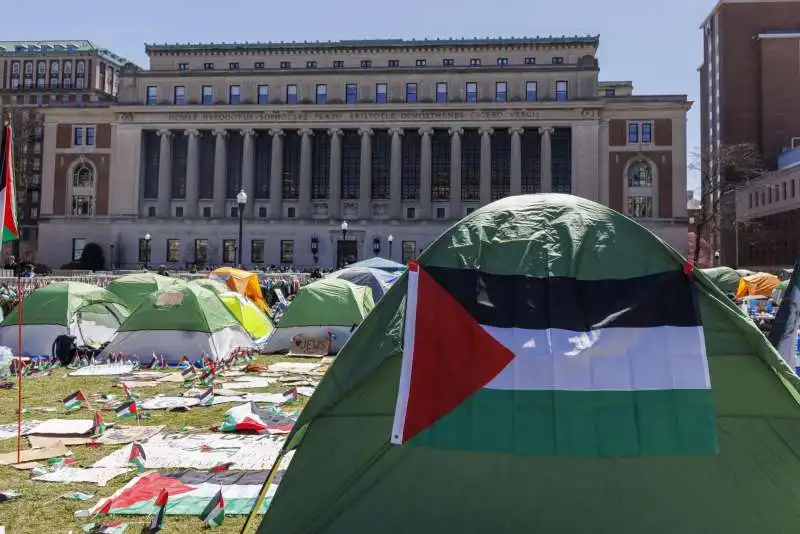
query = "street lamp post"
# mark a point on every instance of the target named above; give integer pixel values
(241, 199)
(111, 246)
(342, 251)
(390, 240)
(344, 230)
(147, 249)
(716, 258)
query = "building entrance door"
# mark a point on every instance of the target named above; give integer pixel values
(346, 253)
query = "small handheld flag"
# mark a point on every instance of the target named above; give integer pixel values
(74, 401)
(214, 513)
(99, 427)
(137, 457)
(158, 520)
(207, 397)
(184, 363)
(126, 409)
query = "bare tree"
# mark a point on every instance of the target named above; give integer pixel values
(730, 169)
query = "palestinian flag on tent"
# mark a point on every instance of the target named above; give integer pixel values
(250, 418)
(8, 202)
(190, 492)
(74, 401)
(783, 335)
(214, 513)
(562, 366)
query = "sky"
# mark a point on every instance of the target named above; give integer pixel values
(656, 44)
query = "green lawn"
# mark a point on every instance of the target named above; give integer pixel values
(39, 509)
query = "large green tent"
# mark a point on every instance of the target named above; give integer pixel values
(347, 477)
(133, 289)
(328, 306)
(181, 320)
(88, 312)
(725, 278)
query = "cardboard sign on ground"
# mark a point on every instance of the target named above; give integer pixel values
(10, 430)
(63, 427)
(293, 367)
(120, 435)
(108, 369)
(92, 475)
(309, 347)
(31, 455)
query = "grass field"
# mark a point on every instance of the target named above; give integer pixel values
(40, 508)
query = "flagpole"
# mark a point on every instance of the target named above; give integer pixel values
(263, 494)
(19, 365)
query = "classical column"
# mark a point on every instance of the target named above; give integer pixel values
(425, 164)
(249, 170)
(276, 175)
(365, 176)
(455, 172)
(164, 174)
(220, 174)
(192, 173)
(335, 181)
(486, 165)
(516, 160)
(304, 194)
(396, 175)
(546, 161)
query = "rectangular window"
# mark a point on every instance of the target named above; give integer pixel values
(257, 251)
(647, 133)
(178, 211)
(322, 93)
(338, 64)
(152, 95)
(411, 92)
(208, 66)
(633, 132)
(90, 136)
(529, 60)
(471, 92)
(259, 65)
(750, 199)
(206, 212)
(610, 93)
(200, 250)
(77, 248)
(173, 250)
(440, 213)
(502, 61)
(640, 206)
(409, 251)
(53, 83)
(77, 136)
(183, 67)
(394, 63)
(286, 64)
(350, 93)
(640, 132)
(228, 251)
(15, 67)
(500, 91)
(291, 94)
(208, 95)
(441, 92)
(531, 91)
(562, 91)
(287, 251)
(29, 67)
(557, 60)
(234, 94)
(311, 64)
(54, 67)
(233, 66)
(421, 62)
(381, 90)
(79, 83)
(179, 96)
(448, 62)
(366, 63)
(263, 94)
(262, 212)
(144, 250)
(14, 83)
(67, 83)
(475, 62)
(41, 67)
(291, 212)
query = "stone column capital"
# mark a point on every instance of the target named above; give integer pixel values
(516, 130)
(335, 132)
(486, 130)
(365, 131)
(546, 130)
(276, 132)
(192, 133)
(396, 131)
(221, 133)
(426, 130)
(248, 132)
(163, 132)
(456, 131)
(305, 132)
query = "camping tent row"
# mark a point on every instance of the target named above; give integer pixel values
(139, 315)
(467, 402)
(743, 283)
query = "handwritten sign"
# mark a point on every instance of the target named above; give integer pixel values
(309, 347)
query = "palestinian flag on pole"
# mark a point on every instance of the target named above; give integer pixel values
(129, 393)
(208, 376)
(184, 363)
(783, 334)
(126, 409)
(190, 492)
(99, 427)
(560, 366)
(207, 397)
(157, 522)
(8, 201)
(188, 374)
(137, 457)
(214, 513)
(74, 401)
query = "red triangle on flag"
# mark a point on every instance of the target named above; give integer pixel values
(453, 356)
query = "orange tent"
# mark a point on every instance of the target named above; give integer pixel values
(760, 284)
(243, 282)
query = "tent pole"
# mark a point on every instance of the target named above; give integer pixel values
(263, 493)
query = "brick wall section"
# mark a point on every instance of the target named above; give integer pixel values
(60, 183)
(616, 191)
(662, 132)
(102, 165)
(780, 76)
(64, 136)
(617, 132)
(103, 136)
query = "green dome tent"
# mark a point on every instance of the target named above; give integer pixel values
(214, 285)
(133, 289)
(719, 456)
(725, 278)
(180, 320)
(329, 305)
(86, 311)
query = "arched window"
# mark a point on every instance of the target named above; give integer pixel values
(83, 190)
(641, 198)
